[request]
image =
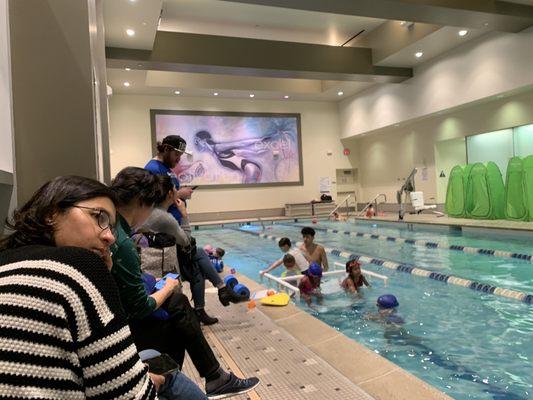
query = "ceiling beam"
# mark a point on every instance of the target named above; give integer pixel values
(186, 52)
(496, 15)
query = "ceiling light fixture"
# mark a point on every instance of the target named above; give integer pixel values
(462, 32)
(252, 95)
(215, 94)
(419, 54)
(127, 69)
(286, 97)
(127, 84)
(130, 32)
(340, 93)
(177, 92)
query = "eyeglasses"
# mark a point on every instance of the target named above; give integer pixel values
(102, 218)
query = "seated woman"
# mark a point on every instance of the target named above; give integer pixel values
(202, 268)
(63, 333)
(137, 191)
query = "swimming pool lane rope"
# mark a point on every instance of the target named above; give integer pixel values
(414, 270)
(423, 243)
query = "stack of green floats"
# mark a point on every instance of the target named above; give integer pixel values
(477, 191)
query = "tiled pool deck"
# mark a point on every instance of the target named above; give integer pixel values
(296, 356)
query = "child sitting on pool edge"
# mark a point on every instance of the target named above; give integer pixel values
(215, 256)
(355, 278)
(387, 310)
(310, 284)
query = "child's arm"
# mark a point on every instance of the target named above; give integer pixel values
(325, 265)
(307, 298)
(271, 267)
(348, 285)
(365, 282)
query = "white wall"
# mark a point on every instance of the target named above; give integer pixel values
(130, 139)
(482, 67)
(6, 127)
(385, 158)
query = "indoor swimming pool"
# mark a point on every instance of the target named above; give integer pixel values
(467, 343)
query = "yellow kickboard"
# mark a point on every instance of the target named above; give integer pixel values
(280, 299)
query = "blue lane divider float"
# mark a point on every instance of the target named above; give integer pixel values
(429, 245)
(414, 270)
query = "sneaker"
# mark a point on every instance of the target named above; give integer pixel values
(204, 318)
(233, 387)
(226, 295)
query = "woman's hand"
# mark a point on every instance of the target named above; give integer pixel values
(158, 380)
(107, 258)
(180, 204)
(171, 284)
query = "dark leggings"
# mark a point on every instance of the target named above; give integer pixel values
(176, 335)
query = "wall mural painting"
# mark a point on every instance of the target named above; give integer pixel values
(234, 149)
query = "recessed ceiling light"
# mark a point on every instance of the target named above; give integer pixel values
(340, 93)
(133, 1)
(462, 32)
(177, 92)
(215, 94)
(127, 69)
(419, 54)
(252, 95)
(127, 84)
(285, 97)
(486, 24)
(130, 32)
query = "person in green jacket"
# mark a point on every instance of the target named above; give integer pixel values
(137, 190)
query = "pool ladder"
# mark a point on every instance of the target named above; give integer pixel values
(375, 202)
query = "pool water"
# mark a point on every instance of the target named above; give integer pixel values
(470, 345)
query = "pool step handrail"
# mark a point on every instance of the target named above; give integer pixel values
(384, 278)
(281, 283)
(375, 201)
(345, 200)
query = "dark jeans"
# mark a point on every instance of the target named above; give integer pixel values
(205, 270)
(176, 335)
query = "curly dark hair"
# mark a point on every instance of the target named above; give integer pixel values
(165, 186)
(29, 223)
(133, 183)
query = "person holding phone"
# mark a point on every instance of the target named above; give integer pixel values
(169, 153)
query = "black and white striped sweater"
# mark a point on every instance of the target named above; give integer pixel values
(63, 334)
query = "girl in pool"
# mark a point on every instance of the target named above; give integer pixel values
(355, 278)
(310, 284)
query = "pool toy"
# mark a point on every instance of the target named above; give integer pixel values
(251, 304)
(277, 300)
(242, 290)
(230, 281)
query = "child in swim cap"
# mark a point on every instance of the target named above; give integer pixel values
(387, 310)
(355, 278)
(310, 284)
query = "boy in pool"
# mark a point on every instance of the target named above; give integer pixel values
(310, 284)
(387, 310)
(355, 278)
(215, 256)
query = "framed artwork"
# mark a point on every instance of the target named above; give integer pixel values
(234, 149)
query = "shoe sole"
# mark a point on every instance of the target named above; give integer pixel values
(227, 395)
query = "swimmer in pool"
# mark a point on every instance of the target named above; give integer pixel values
(355, 278)
(310, 284)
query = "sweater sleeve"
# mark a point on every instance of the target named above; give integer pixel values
(162, 221)
(127, 273)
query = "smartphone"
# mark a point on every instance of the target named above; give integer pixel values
(159, 285)
(162, 364)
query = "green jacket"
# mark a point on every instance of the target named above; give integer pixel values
(127, 273)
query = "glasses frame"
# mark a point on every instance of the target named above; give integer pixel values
(99, 211)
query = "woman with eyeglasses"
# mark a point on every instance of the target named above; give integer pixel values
(63, 333)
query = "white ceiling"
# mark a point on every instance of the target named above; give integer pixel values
(251, 21)
(163, 83)
(433, 45)
(213, 17)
